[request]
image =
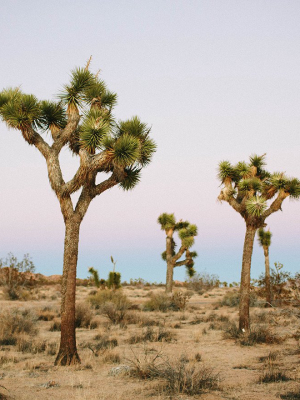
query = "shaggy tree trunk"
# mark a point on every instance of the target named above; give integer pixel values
(267, 277)
(244, 322)
(169, 279)
(170, 264)
(67, 354)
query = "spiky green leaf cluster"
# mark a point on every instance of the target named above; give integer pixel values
(255, 206)
(264, 237)
(133, 176)
(95, 127)
(52, 115)
(19, 110)
(226, 171)
(74, 93)
(166, 221)
(126, 150)
(293, 188)
(250, 184)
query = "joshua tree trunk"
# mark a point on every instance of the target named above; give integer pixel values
(244, 322)
(169, 279)
(267, 277)
(170, 265)
(67, 354)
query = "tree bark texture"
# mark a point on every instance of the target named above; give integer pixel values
(244, 318)
(267, 277)
(170, 265)
(67, 354)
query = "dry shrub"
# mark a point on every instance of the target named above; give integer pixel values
(158, 302)
(83, 315)
(46, 314)
(113, 304)
(179, 376)
(56, 325)
(15, 322)
(257, 335)
(111, 357)
(150, 335)
(200, 283)
(291, 396)
(180, 300)
(26, 345)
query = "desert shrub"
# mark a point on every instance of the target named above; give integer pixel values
(113, 304)
(273, 374)
(83, 315)
(180, 300)
(164, 302)
(158, 302)
(15, 275)
(152, 335)
(258, 335)
(232, 299)
(46, 314)
(55, 326)
(26, 345)
(200, 283)
(103, 343)
(52, 348)
(272, 356)
(111, 357)
(291, 396)
(179, 376)
(15, 322)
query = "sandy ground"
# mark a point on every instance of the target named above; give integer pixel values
(197, 331)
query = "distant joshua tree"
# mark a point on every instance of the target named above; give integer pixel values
(186, 233)
(83, 122)
(114, 278)
(247, 189)
(264, 240)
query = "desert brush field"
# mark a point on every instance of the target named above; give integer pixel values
(138, 343)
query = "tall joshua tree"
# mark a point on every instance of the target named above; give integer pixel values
(248, 189)
(186, 233)
(264, 240)
(82, 120)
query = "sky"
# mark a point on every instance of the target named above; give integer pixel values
(216, 80)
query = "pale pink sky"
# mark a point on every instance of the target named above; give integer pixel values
(215, 79)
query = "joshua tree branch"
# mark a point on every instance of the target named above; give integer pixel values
(179, 254)
(183, 262)
(276, 205)
(65, 134)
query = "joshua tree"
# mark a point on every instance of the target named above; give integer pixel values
(186, 233)
(82, 120)
(114, 278)
(247, 189)
(264, 240)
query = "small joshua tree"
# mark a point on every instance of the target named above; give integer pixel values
(247, 189)
(186, 233)
(100, 283)
(264, 240)
(114, 278)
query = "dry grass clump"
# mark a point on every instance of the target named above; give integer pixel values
(46, 314)
(56, 325)
(103, 343)
(113, 304)
(152, 335)
(111, 357)
(83, 316)
(258, 335)
(161, 301)
(178, 377)
(291, 396)
(15, 322)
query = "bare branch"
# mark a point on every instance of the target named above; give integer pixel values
(179, 254)
(180, 263)
(276, 205)
(34, 138)
(65, 134)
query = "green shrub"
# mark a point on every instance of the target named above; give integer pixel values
(232, 299)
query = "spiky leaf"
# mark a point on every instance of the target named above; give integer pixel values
(126, 150)
(256, 205)
(167, 221)
(133, 176)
